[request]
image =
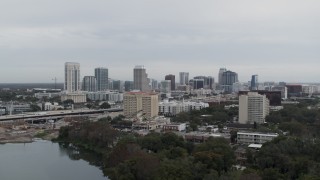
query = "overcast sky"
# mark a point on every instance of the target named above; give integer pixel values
(277, 39)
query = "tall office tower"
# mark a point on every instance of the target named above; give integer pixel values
(172, 79)
(197, 83)
(253, 107)
(254, 82)
(207, 81)
(136, 102)
(184, 78)
(221, 71)
(72, 77)
(228, 78)
(101, 75)
(128, 86)
(89, 83)
(118, 85)
(140, 79)
(154, 84)
(165, 86)
(210, 82)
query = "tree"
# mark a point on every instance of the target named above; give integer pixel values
(105, 105)
(68, 102)
(35, 108)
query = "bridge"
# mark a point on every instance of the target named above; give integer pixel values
(45, 115)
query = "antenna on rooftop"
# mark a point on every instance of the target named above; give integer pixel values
(55, 82)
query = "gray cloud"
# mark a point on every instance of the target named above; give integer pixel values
(279, 40)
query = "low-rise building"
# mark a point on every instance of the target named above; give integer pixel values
(114, 96)
(172, 108)
(175, 127)
(200, 137)
(76, 97)
(255, 137)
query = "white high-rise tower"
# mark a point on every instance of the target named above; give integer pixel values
(184, 78)
(72, 77)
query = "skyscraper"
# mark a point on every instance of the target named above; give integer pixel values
(172, 79)
(197, 83)
(184, 78)
(101, 75)
(165, 86)
(228, 78)
(254, 82)
(140, 79)
(128, 86)
(118, 85)
(154, 84)
(72, 77)
(221, 71)
(89, 83)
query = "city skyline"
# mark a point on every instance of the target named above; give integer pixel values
(279, 41)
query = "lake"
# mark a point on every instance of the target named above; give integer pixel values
(44, 160)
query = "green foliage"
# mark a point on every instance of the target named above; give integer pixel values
(170, 158)
(68, 102)
(105, 105)
(213, 116)
(34, 108)
(92, 135)
(216, 154)
(288, 158)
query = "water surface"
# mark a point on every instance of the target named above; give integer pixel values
(44, 160)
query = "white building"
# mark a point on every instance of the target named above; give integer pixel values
(48, 106)
(76, 97)
(201, 92)
(255, 137)
(253, 108)
(173, 108)
(72, 77)
(175, 127)
(47, 95)
(105, 96)
(184, 78)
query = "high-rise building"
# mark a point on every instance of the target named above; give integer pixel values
(208, 81)
(172, 79)
(228, 78)
(254, 82)
(118, 85)
(72, 77)
(89, 84)
(184, 78)
(166, 86)
(135, 102)
(101, 75)
(253, 107)
(154, 84)
(221, 71)
(197, 83)
(209, 84)
(128, 86)
(140, 79)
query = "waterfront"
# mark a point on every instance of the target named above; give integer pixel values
(44, 160)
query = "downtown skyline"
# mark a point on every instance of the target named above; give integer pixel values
(279, 41)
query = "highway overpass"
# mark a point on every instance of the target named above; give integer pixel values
(55, 114)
